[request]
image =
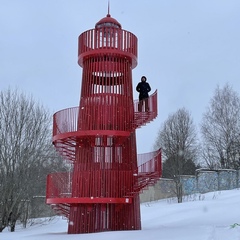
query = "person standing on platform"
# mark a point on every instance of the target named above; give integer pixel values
(143, 88)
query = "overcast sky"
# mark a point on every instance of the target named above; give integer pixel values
(186, 48)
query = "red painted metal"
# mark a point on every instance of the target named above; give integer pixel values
(98, 137)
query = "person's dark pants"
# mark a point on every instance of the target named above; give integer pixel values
(143, 105)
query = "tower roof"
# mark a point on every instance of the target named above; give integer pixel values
(108, 21)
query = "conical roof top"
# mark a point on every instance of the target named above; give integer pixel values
(108, 21)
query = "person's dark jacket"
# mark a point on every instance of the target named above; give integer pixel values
(143, 88)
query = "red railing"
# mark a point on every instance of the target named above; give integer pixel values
(149, 162)
(59, 185)
(144, 117)
(66, 120)
(120, 42)
(149, 170)
(66, 125)
(100, 183)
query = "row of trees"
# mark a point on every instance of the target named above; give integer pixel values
(26, 156)
(216, 147)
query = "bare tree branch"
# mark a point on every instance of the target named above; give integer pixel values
(220, 130)
(178, 140)
(26, 153)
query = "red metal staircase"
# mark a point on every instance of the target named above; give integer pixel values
(59, 185)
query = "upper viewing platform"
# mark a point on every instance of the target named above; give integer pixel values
(108, 37)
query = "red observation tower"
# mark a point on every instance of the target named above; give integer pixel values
(101, 192)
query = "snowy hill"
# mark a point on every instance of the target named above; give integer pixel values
(209, 216)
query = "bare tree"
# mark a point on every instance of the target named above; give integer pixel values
(25, 153)
(220, 130)
(178, 140)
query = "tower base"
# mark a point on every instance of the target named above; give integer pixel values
(91, 218)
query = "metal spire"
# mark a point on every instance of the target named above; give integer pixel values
(108, 15)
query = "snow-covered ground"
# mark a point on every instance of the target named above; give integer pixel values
(210, 216)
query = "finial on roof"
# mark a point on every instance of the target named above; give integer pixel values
(108, 20)
(108, 15)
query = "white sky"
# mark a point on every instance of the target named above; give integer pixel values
(186, 48)
(202, 217)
